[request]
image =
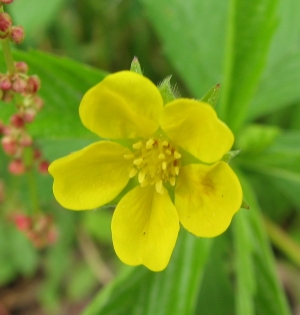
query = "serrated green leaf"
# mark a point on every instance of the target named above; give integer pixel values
(172, 291)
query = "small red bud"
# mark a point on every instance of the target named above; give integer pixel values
(33, 84)
(21, 67)
(43, 167)
(7, 1)
(17, 167)
(19, 85)
(9, 145)
(23, 223)
(17, 34)
(26, 140)
(29, 115)
(38, 103)
(17, 120)
(5, 24)
(37, 154)
(5, 83)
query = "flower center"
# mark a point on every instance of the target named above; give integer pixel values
(155, 161)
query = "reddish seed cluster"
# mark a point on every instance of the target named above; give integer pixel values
(8, 30)
(41, 231)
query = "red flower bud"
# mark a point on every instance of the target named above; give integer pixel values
(5, 24)
(38, 103)
(17, 167)
(26, 140)
(5, 83)
(7, 1)
(29, 115)
(43, 167)
(21, 67)
(33, 84)
(19, 85)
(22, 222)
(17, 120)
(9, 145)
(17, 34)
(37, 154)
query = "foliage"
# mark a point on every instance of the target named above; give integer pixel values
(252, 49)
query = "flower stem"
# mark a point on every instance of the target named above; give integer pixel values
(7, 53)
(31, 179)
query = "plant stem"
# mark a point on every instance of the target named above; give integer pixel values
(7, 53)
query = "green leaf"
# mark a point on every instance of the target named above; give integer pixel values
(172, 291)
(216, 294)
(64, 82)
(279, 86)
(280, 162)
(258, 288)
(234, 53)
(192, 33)
(250, 30)
(35, 21)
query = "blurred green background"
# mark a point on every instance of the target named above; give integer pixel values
(252, 48)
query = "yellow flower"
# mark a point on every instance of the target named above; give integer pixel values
(150, 145)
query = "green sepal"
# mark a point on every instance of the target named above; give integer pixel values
(245, 205)
(135, 66)
(230, 155)
(167, 92)
(211, 97)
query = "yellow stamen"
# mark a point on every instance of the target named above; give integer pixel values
(138, 161)
(159, 187)
(161, 156)
(177, 155)
(172, 180)
(165, 143)
(164, 165)
(141, 176)
(149, 144)
(168, 152)
(133, 172)
(137, 145)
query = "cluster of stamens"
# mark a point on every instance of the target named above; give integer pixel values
(155, 161)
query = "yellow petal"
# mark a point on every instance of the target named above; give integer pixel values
(195, 127)
(91, 177)
(123, 105)
(207, 197)
(145, 228)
